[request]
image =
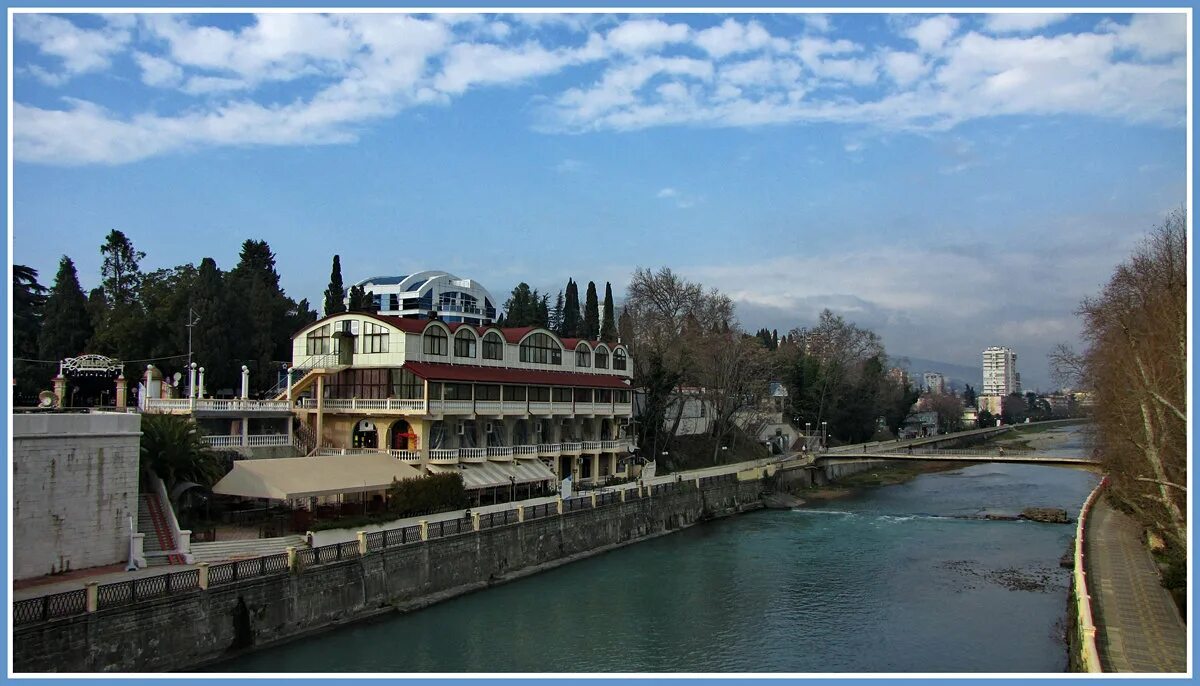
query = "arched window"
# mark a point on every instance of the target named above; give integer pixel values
(493, 346)
(601, 358)
(583, 356)
(618, 359)
(435, 341)
(317, 341)
(464, 343)
(540, 348)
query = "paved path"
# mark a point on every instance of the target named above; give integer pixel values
(1138, 627)
(101, 578)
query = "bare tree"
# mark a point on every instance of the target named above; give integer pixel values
(732, 374)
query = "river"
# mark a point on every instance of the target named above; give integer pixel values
(886, 580)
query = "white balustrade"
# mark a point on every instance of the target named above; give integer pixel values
(167, 404)
(451, 406)
(563, 408)
(549, 449)
(540, 408)
(266, 440)
(223, 441)
(525, 450)
(443, 456)
(572, 447)
(585, 408)
(472, 454)
(513, 407)
(487, 406)
(591, 446)
(501, 453)
(406, 455)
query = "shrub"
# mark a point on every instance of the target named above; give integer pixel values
(433, 493)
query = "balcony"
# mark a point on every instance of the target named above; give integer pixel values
(587, 408)
(364, 405)
(549, 450)
(513, 407)
(232, 405)
(472, 454)
(406, 455)
(540, 408)
(451, 406)
(252, 441)
(562, 408)
(443, 456)
(488, 407)
(571, 448)
(612, 446)
(500, 453)
(526, 452)
(591, 446)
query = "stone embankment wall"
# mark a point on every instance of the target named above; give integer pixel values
(75, 488)
(201, 626)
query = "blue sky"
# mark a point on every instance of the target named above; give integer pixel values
(951, 181)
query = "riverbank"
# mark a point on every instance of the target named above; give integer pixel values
(887, 474)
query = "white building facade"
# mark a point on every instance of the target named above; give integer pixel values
(456, 300)
(1000, 377)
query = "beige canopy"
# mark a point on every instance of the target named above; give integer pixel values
(489, 474)
(301, 477)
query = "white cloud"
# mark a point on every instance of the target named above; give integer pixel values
(158, 72)
(904, 67)
(204, 85)
(667, 193)
(818, 23)
(641, 35)
(733, 37)
(932, 33)
(80, 50)
(1016, 22)
(1152, 35)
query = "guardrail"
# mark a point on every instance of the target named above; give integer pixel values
(251, 441)
(100, 597)
(1085, 625)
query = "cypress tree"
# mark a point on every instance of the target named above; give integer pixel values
(28, 300)
(571, 317)
(360, 300)
(591, 313)
(543, 310)
(335, 294)
(211, 345)
(608, 329)
(66, 324)
(261, 313)
(555, 320)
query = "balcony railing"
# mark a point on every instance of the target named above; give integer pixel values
(501, 453)
(252, 441)
(525, 450)
(371, 404)
(214, 405)
(550, 449)
(540, 408)
(443, 456)
(487, 406)
(591, 446)
(406, 455)
(445, 406)
(472, 454)
(572, 447)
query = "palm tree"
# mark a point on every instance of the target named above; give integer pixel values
(173, 448)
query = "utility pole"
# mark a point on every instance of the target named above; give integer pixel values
(193, 319)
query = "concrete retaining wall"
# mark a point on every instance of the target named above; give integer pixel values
(186, 630)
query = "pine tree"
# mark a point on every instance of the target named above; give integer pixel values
(121, 331)
(571, 317)
(591, 314)
(359, 301)
(66, 324)
(774, 339)
(261, 309)
(28, 300)
(556, 315)
(543, 311)
(335, 294)
(608, 327)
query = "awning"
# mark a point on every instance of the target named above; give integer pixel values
(300, 477)
(492, 474)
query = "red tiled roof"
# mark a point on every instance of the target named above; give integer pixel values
(433, 371)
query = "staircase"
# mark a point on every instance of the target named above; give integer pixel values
(220, 551)
(158, 545)
(305, 439)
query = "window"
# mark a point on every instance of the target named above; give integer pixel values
(514, 393)
(374, 338)
(583, 395)
(407, 385)
(464, 343)
(623, 397)
(539, 394)
(540, 348)
(601, 359)
(562, 395)
(318, 342)
(583, 358)
(618, 359)
(458, 391)
(493, 346)
(359, 383)
(487, 392)
(435, 341)
(603, 395)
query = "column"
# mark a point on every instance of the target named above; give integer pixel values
(246, 382)
(60, 388)
(320, 409)
(200, 391)
(122, 387)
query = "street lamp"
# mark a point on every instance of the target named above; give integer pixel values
(825, 435)
(807, 433)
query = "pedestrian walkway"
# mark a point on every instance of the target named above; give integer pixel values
(81, 581)
(1138, 627)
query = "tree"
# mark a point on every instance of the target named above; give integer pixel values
(166, 297)
(28, 301)
(212, 346)
(66, 325)
(121, 330)
(555, 320)
(523, 307)
(1013, 409)
(335, 293)
(572, 319)
(1135, 366)
(261, 311)
(608, 329)
(360, 300)
(543, 310)
(969, 396)
(732, 374)
(591, 313)
(173, 449)
(985, 419)
(949, 410)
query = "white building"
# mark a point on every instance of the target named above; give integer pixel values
(1000, 375)
(935, 382)
(456, 300)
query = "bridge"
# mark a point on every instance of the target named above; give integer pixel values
(954, 455)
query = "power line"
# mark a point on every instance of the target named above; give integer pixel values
(148, 359)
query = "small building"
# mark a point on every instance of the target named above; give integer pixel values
(454, 299)
(75, 490)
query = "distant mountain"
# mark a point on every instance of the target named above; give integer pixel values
(957, 375)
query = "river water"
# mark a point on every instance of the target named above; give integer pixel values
(887, 580)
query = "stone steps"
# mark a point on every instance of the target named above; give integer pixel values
(219, 551)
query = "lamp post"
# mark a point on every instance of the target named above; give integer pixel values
(807, 433)
(825, 435)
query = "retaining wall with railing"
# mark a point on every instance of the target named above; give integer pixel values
(1084, 656)
(183, 619)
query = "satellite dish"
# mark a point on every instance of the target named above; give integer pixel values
(178, 377)
(47, 399)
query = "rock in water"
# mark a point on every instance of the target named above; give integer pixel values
(1050, 515)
